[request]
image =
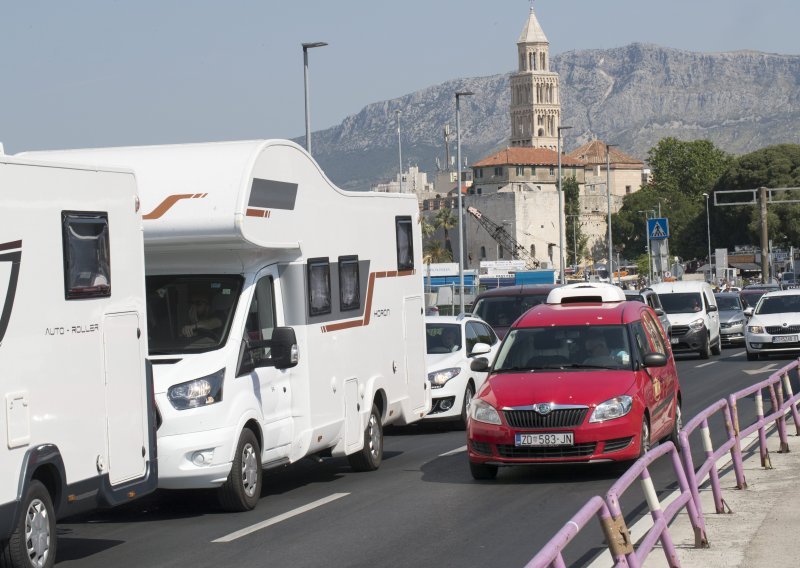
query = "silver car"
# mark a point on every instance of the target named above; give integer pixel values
(731, 318)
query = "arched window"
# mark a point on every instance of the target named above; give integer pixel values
(499, 252)
(483, 252)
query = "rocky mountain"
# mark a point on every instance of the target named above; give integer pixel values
(631, 96)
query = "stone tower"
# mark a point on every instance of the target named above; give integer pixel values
(535, 98)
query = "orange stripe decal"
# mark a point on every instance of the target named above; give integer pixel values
(368, 306)
(167, 204)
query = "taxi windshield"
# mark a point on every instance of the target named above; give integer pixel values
(567, 347)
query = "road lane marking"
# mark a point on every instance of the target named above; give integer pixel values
(705, 364)
(739, 354)
(274, 520)
(454, 452)
(764, 369)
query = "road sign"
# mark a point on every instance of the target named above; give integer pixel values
(658, 228)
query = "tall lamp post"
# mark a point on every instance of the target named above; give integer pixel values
(574, 237)
(399, 148)
(708, 229)
(560, 210)
(647, 244)
(306, 47)
(460, 94)
(608, 199)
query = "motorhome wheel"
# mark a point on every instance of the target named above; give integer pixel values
(242, 489)
(33, 542)
(370, 456)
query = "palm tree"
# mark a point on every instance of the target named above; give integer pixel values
(433, 251)
(446, 220)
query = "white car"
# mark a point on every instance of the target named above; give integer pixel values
(453, 342)
(775, 324)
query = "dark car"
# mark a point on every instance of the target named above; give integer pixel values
(753, 292)
(501, 307)
(650, 297)
(789, 281)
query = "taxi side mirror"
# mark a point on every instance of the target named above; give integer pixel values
(655, 360)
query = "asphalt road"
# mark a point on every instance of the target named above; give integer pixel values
(421, 508)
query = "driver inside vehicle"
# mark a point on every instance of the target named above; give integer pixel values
(598, 353)
(200, 317)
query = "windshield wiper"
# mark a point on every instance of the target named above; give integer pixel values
(514, 369)
(584, 366)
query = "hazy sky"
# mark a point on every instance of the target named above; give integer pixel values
(83, 73)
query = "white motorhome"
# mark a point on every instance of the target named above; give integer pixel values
(286, 316)
(77, 419)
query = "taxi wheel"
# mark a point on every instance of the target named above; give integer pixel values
(644, 438)
(677, 425)
(483, 471)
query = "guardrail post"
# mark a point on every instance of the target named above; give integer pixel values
(732, 421)
(776, 391)
(787, 386)
(762, 432)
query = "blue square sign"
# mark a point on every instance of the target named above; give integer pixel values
(658, 228)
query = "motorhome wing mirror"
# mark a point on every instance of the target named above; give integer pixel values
(283, 350)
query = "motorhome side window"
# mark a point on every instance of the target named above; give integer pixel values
(87, 255)
(349, 291)
(319, 286)
(260, 323)
(405, 243)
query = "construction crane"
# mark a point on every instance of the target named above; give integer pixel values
(504, 239)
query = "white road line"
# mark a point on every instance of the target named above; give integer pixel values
(706, 364)
(739, 354)
(454, 452)
(274, 520)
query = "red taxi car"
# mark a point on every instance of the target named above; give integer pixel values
(584, 377)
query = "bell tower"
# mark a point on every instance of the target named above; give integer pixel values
(535, 96)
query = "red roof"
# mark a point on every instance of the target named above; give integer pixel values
(594, 152)
(526, 156)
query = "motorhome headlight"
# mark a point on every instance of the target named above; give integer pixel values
(755, 328)
(199, 392)
(697, 324)
(439, 378)
(482, 411)
(613, 408)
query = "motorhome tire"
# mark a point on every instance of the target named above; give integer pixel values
(38, 519)
(242, 490)
(369, 457)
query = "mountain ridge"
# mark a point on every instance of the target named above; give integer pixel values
(631, 96)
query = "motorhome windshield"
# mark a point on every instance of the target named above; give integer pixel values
(190, 314)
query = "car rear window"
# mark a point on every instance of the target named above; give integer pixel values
(502, 311)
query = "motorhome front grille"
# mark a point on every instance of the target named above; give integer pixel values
(780, 330)
(558, 418)
(678, 330)
(576, 451)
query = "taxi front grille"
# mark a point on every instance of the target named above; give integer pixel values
(558, 418)
(576, 451)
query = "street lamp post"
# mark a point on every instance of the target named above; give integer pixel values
(608, 199)
(560, 209)
(460, 94)
(708, 229)
(647, 244)
(399, 149)
(306, 47)
(575, 238)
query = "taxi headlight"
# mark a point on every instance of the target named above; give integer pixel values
(482, 411)
(616, 407)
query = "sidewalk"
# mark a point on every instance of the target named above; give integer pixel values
(765, 517)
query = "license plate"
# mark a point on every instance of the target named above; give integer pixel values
(554, 439)
(785, 339)
(674, 340)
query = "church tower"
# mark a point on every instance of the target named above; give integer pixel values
(535, 97)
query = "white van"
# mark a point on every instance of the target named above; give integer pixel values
(692, 311)
(285, 315)
(77, 419)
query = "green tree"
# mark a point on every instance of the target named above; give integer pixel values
(445, 220)
(772, 167)
(572, 210)
(681, 172)
(433, 252)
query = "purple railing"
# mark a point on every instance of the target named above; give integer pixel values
(618, 538)
(551, 554)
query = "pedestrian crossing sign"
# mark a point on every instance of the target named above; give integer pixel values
(658, 228)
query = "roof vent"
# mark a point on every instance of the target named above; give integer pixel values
(590, 292)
